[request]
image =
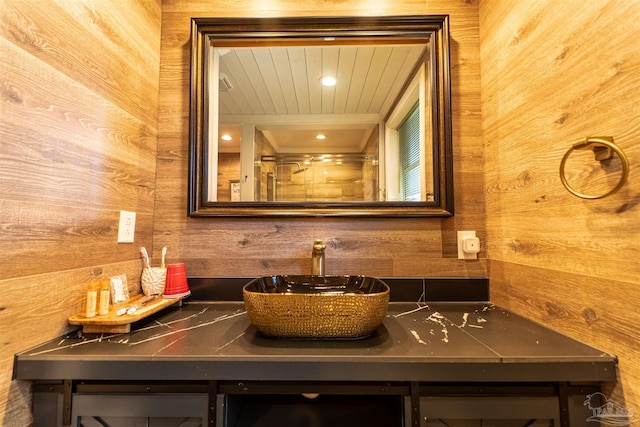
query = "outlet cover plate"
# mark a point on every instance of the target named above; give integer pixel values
(127, 227)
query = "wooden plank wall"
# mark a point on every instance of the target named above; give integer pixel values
(551, 75)
(78, 138)
(254, 247)
(78, 131)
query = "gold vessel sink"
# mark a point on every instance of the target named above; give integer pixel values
(316, 307)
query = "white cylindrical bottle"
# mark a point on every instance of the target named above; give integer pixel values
(92, 298)
(105, 294)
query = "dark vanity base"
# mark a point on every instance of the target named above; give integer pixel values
(300, 404)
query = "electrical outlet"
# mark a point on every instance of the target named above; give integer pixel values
(468, 245)
(127, 227)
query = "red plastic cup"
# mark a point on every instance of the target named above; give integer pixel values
(176, 283)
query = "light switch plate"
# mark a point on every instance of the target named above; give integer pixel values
(127, 227)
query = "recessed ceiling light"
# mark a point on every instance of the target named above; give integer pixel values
(328, 81)
(321, 136)
(226, 137)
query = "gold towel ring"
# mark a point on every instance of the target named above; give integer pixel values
(603, 149)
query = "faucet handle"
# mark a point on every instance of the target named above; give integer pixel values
(318, 244)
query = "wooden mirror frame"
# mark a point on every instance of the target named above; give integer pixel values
(436, 27)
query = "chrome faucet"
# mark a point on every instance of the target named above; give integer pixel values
(317, 258)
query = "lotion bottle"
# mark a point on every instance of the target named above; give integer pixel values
(92, 298)
(105, 294)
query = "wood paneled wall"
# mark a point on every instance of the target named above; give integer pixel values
(78, 139)
(552, 75)
(83, 133)
(253, 247)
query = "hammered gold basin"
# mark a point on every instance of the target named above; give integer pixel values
(316, 307)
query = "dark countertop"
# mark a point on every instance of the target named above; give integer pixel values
(436, 342)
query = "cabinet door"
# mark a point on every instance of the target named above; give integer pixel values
(135, 410)
(488, 411)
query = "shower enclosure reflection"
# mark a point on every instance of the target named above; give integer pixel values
(318, 178)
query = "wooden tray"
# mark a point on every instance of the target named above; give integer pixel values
(112, 323)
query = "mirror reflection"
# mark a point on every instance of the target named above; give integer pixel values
(316, 118)
(309, 119)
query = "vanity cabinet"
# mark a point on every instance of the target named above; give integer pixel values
(307, 404)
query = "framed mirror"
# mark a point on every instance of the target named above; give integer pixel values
(320, 116)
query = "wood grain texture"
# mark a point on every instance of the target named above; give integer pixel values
(551, 76)
(34, 309)
(78, 139)
(567, 303)
(113, 322)
(69, 42)
(250, 247)
(70, 161)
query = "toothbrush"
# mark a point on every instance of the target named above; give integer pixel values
(145, 257)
